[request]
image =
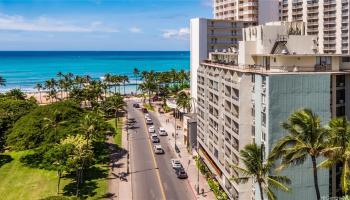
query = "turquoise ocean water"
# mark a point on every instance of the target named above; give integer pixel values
(23, 69)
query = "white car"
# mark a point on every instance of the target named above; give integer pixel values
(151, 129)
(176, 164)
(149, 121)
(158, 149)
(155, 138)
(162, 132)
(147, 116)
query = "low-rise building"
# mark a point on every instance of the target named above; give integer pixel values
(243, 95)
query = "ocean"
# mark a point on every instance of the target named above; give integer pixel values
(24, 69)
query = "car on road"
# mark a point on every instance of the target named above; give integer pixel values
(136, 105)
(181, 173)
(162, 131)
(147, 116)
(155, 138)
(158, 149)
(176, 164)
(149, 121)
(151, 129)
(144, 110)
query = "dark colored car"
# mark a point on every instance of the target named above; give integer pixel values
(144, 110)
(181, 173)
(136, 105)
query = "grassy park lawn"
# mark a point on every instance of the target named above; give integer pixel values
(21, 182)
(118, 135)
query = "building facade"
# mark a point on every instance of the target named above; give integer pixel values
(244, 96)
(328, 19)
(257, 11)
(209, 35)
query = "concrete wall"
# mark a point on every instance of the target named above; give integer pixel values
(198, 48)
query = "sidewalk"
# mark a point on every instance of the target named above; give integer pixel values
(185, 157)
(118, 189)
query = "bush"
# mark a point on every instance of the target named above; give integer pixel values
(29, 131)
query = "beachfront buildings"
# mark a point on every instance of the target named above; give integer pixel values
(257, 11)
(244, 94)
(328, 19)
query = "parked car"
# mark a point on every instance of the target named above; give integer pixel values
(136, 105)
(155, 138)
(151, 129)
(176, 164)
(158, 149)
(147, 116)
(149, 121)
(144, 110)
(162, 132)
(181, 173)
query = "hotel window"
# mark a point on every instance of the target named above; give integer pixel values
(323, 60)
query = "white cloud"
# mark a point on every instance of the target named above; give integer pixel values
(135, 30)
(44, 24)
(182, 33)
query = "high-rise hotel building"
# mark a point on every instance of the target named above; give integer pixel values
(257, 11)
(244, 94)
(328, 19)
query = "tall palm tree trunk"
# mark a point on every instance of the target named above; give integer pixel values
(59, 181)
(136, 85)
(314, 166)
(261, 191)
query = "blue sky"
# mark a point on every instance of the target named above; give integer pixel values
(98, 24)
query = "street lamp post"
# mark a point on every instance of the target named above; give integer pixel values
(127, 137)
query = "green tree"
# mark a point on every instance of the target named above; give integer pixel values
(81, 157)
(306, 138)
(39, 87)
(53, 123)
(116, 104)
(125, 79)
(89, 127)
(16, 94)
(149, 84)
(337, 151)
(2, 81)
(183, 101)
(58, 156)
(259, 171)
(136, 73)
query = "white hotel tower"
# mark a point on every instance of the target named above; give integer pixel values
(328, 19)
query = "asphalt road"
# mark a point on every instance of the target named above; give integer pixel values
(150, 183)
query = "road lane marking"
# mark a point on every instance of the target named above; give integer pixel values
(155, 162)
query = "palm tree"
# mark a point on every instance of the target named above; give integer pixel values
(108, 80)
(16, 94)
(338, 149)
(125, 79)
(183, 101)
(39, 87)
(115, 103)
(89, 126)
(2, 81)
(50, 85)
(259, 171)
(306, 138)
(54, 122)
(148, 85)
(136, 75)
